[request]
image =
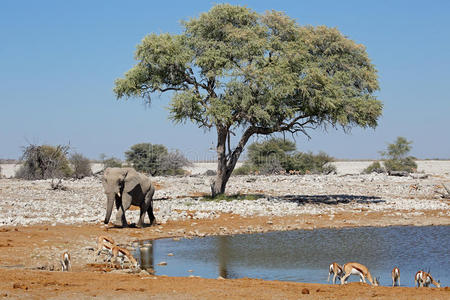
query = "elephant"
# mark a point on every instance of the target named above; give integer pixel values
(125, 187)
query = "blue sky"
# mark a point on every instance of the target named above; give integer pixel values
(59, 60)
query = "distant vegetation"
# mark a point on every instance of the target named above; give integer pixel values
(156, 159)
(277, 155)
(43, 162)
(396, 159)
(111, 162)
(54, 162)
(375, 167)
(81, 165)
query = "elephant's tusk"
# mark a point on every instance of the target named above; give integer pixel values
(118, 194)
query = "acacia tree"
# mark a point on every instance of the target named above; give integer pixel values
(236, 71)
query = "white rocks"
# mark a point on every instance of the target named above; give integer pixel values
(32, 202)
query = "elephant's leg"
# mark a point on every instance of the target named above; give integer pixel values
(147, 207)
(151, 216)
(120, 216)
(142, 215)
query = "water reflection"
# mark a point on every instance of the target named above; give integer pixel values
(304, 256)
(144, 251)
(222, 253)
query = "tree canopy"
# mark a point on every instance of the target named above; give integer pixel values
(234, 69)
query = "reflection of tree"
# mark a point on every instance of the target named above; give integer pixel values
(223, 252)
(146, 251)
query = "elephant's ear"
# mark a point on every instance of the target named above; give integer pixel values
(131, 181)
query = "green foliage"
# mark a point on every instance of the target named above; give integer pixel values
(397, 159)
(277, 155)
(245, 169)
(43, 162)
(233, 66)
(403, 164)
(156, 160)
(399, 149)
(111, 163)
(236, 70)
(81, 165)
(309, 163)
(374, 167)
(146, 157)
(266, 153)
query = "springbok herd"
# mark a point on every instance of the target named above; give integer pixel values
(421, 279)
(114, 253)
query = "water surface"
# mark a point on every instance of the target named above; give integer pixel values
(304, 256)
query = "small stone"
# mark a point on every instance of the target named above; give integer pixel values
(144, 272)
(163, 263)
(169, 254)
(305, 291)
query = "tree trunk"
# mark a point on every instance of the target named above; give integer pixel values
(226, 164)
(219, 183)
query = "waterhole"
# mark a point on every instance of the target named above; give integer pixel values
(304, 256)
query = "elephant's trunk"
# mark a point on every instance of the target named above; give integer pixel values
(109, 207)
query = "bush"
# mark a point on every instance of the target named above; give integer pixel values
(397, 159)
(112, 163)
(277, 155)
(43, 162)
(81, 165)
(156, 160)
(272, 166)
(246, 169)
(374, 167)
(270, 151)
(309, 163)
(406, 164)
(172, 163)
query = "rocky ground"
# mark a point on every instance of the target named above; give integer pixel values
(179, 198)
(37, 224)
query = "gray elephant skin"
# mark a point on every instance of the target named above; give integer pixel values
(125, 187)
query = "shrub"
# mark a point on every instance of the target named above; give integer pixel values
(81, 165)
(374, 167)
(397, 159)
(156, 160)
(309, 163)
(245, 169)
(277, 155)
(112, 163)
(272, 166)
(172, 163)
(267, 152)
(43, 162)
(404, 164)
